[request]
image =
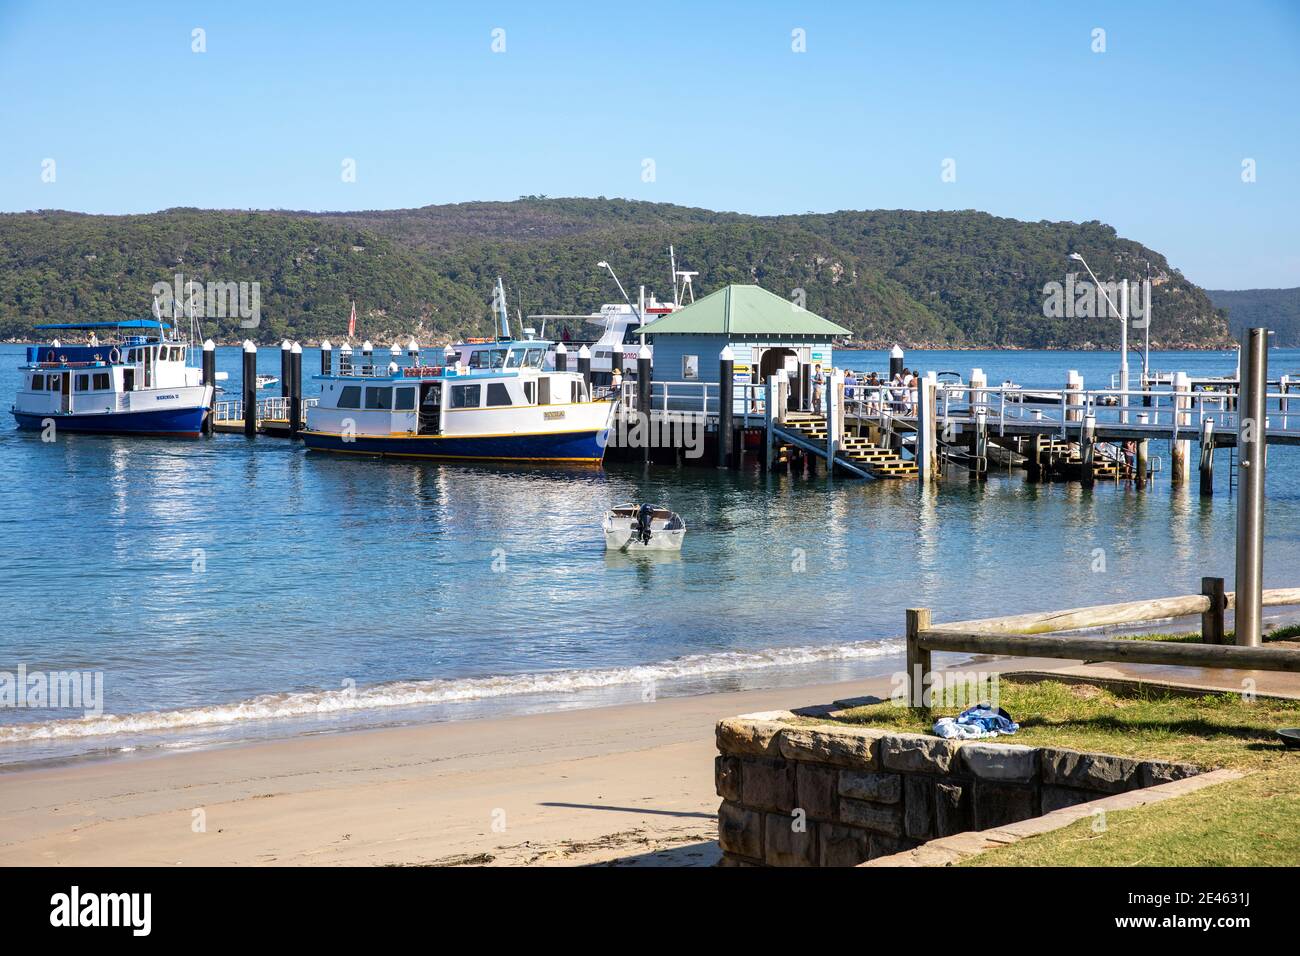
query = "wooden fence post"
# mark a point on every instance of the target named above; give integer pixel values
(1212, 618)
(918, 658)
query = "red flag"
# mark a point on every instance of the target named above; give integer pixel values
(352, 322)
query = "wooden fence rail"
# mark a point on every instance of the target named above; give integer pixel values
(1028, 635)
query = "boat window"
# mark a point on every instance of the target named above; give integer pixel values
(379, 398)
(513, 358)
(530, 393)
(350, 397)
(465, 396)
(101, 381)
(38, 383)
(52, 382)
(498, 395)
(536, 358)
(83, 383)
(405, 398)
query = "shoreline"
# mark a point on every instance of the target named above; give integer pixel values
(627, 785)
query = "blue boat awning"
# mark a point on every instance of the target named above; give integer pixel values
(125, 324)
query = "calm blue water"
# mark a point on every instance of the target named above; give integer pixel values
(228, 588)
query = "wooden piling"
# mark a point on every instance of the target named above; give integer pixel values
(1034, 460)
(285, 348)
(584, 366)
(295, 390)
(1212, 631)
(210, 379)
(918, 657)
(1180, 472)
(249, 386)
(643, 390)
(726, 404)
(561, 358)
(1207, 458)
(1088, 449)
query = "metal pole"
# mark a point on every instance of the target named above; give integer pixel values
(1250, 503)
(726, 404)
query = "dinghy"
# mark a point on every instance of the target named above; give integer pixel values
(633, 528)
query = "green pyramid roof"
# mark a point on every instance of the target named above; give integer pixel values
(743, 310)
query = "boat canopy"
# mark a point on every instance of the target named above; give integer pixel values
(124, 324)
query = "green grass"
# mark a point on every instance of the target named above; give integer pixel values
(1250, 821)
(1289, 632)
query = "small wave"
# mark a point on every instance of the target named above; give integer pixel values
(442, 691)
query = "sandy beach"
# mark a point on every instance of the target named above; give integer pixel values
(629, 785)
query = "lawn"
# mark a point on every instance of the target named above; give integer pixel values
(1252, 821)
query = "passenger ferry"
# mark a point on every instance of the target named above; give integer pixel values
(140, 385)
(487, 400)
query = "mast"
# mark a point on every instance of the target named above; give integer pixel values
(503, 314)
(672, 262)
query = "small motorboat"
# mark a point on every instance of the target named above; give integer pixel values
(266, 381)
(631, 528)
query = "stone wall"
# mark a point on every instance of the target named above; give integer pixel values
(840, 795)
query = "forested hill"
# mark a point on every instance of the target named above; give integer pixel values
(1276, 309)
(917, 278)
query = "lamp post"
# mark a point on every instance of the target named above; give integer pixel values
(1123, 337)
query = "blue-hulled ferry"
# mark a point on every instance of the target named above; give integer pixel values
(140, 384)
(491, 400)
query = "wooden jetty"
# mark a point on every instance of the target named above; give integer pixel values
(940, 429)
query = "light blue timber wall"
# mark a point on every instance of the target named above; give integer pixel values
(669, 350)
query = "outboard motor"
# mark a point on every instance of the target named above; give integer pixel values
(643, 516)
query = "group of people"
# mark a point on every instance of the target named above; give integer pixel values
(897, 394)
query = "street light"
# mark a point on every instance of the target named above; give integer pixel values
(1123, 338)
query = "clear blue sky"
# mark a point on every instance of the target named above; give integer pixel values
(1148, 136)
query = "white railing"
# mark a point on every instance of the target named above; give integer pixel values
(749, 401)
(275, 408)
(1177, 414)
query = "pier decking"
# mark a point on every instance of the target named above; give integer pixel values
(272, 416)
(945, 428)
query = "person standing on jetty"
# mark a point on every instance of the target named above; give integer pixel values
(818, 382)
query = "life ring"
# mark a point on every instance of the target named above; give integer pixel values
(114, 356)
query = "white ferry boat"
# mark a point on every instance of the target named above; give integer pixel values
(486, 400)
(139, 385)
